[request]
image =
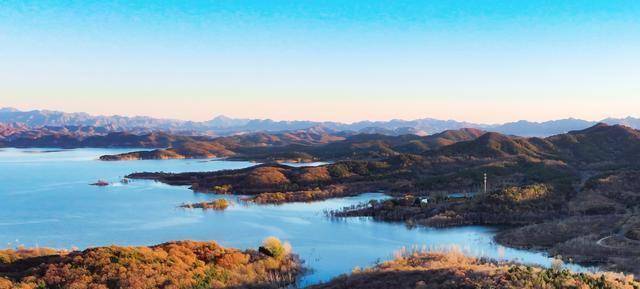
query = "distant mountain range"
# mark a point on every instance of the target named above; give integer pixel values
(222, 125)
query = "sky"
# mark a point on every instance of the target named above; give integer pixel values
(474, 60)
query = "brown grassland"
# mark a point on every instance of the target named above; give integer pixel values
(453, 270)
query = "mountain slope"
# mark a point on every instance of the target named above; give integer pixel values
(600, 143)
(363, 146)
(191, 147)
(494, 145)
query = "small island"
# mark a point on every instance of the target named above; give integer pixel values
(217, 205)
(100, 183)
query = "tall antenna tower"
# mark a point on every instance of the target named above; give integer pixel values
(485, 183)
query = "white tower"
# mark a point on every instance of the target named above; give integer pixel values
(485, 183)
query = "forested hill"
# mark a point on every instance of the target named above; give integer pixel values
(306, 145)
(379, 161)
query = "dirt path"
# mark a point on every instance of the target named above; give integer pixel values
(620, 234)
(599, 242)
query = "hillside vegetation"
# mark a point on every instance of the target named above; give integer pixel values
(362, 146)
(452, 270)
(174, 265)
(193, 147)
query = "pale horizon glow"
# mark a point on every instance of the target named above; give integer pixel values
(446, 115)
(482, 61)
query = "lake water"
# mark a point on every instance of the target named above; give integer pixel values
(46, 201)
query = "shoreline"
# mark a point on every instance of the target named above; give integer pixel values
(508, 245)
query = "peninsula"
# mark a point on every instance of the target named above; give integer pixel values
(580, 187)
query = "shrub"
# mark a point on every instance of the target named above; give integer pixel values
(267, 177)
(339, 171)
(276, 247)
(223, 189)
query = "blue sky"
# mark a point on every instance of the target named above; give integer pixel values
(488, 61)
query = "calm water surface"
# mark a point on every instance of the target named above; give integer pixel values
(45, 200)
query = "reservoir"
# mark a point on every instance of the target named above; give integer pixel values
(46, 201)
